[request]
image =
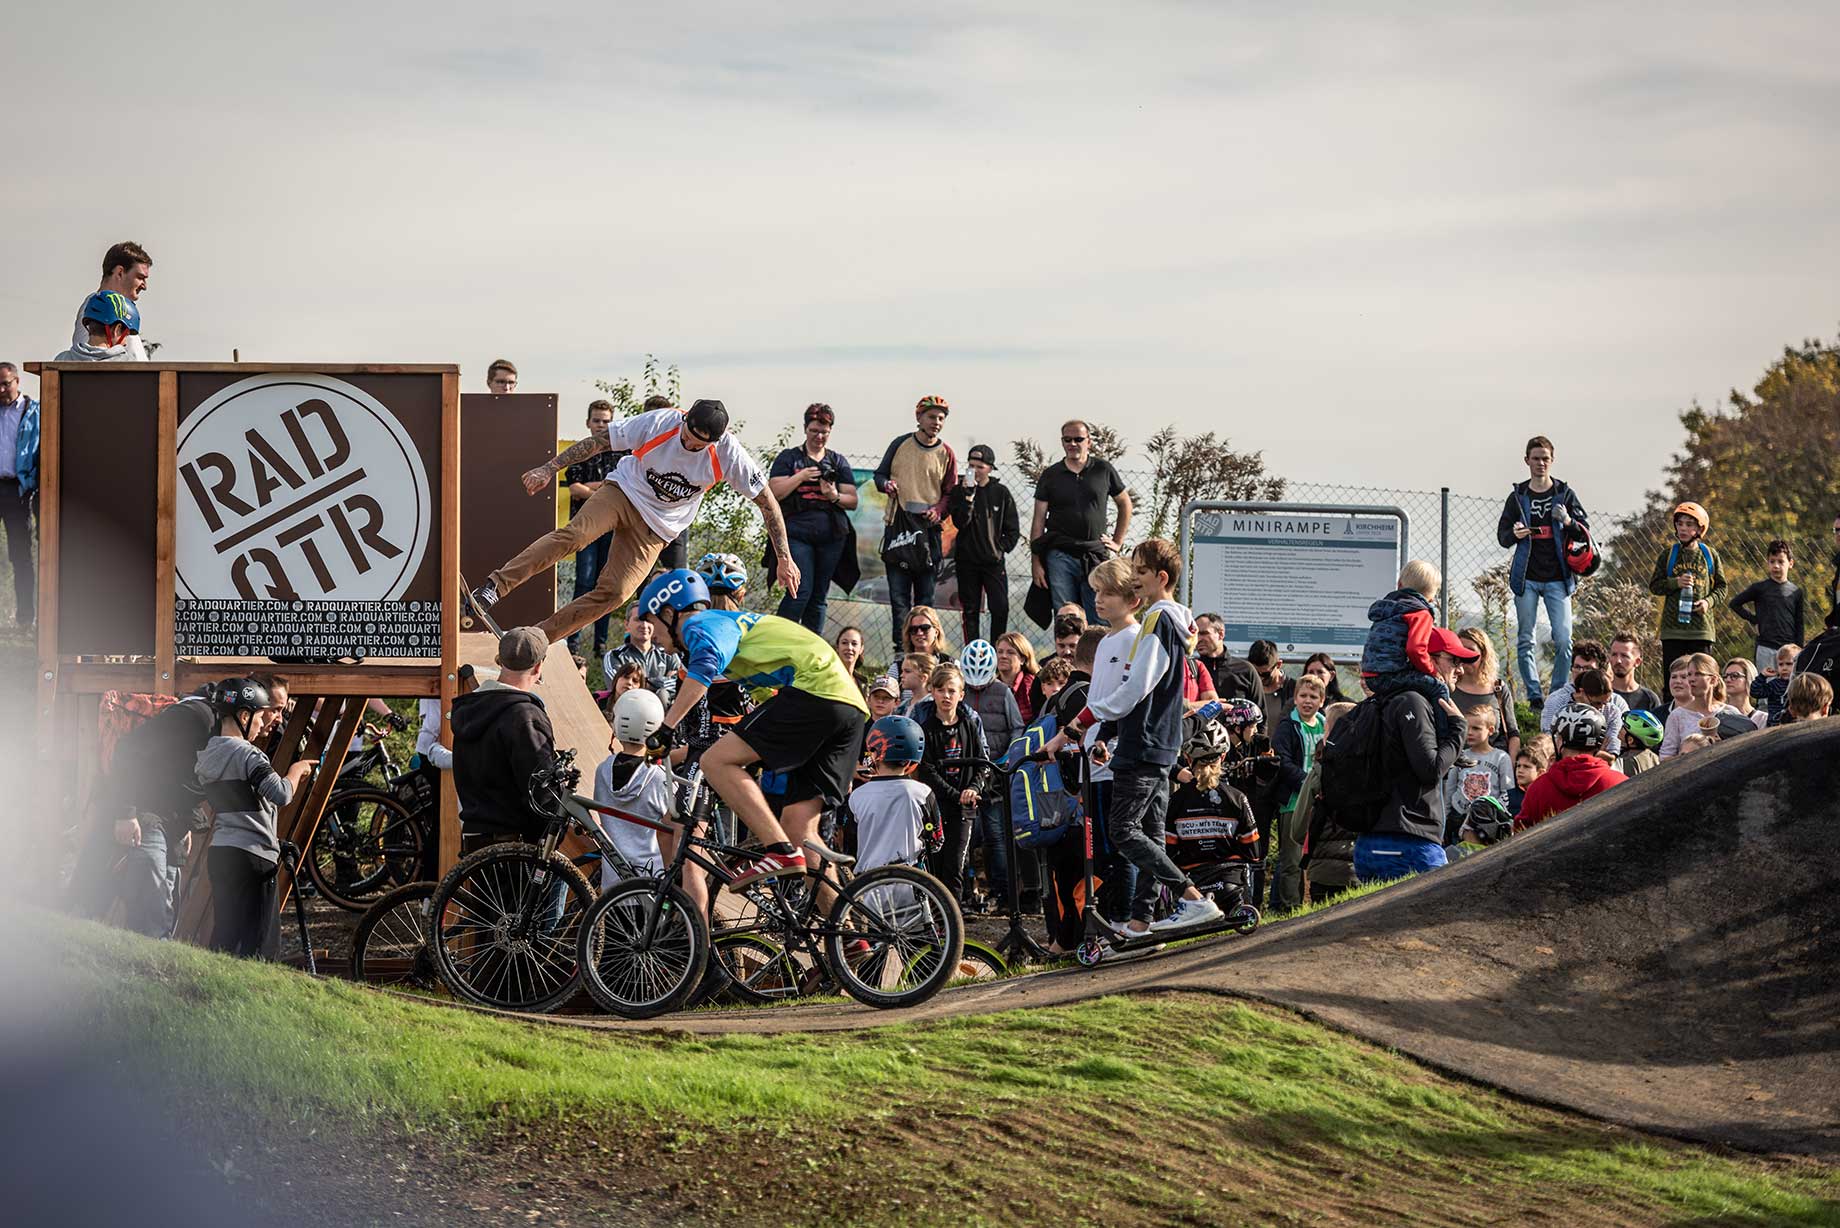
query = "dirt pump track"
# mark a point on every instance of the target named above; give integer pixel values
(1666, 956)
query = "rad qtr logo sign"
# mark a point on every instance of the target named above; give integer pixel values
(298, 488)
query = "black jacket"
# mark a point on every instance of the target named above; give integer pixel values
(988, 528)
(501, 736)
(1833, 594)
(1414, 759)
(1234, 677)
(947, 782)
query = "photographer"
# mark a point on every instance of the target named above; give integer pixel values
(502, 734)
(816, 489)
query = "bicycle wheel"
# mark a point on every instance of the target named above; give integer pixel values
(629, 975)
(754, 969)
(488, 950)
(981, 963)
(895, 937)
(367, 843)
(390, 945)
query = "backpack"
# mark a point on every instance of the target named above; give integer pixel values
(1821, 655)
(1040, 808)
(1353, 784)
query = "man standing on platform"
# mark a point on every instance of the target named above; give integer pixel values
(125, 269)
(18, 488)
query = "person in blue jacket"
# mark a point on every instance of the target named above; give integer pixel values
(18, 487)
(1533, 524)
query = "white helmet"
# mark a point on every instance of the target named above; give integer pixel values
(636, 716)
(978, 662)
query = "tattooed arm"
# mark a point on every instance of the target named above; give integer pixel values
(776, 533)
(544, 475)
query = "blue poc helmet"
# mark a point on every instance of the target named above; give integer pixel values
(111, 308)
(723, 573)
(678, 590)
(896, 741)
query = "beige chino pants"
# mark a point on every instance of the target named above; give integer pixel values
(630, 557)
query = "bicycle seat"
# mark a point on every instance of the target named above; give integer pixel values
(813, 848)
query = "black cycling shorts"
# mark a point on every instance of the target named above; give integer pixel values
(816, 742)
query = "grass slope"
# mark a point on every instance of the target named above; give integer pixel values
(1120, 1111)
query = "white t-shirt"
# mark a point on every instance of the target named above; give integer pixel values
(79, 337)
(428, 736)
(1107, 674)
(646, 793)
(890, 812)
(665, 480)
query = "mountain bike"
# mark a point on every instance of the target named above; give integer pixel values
(372, 837)
(503, 923)
(890, 937)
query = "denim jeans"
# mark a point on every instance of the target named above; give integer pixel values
(817, 563)
(1067, 582)
(993, 819)
(1378, 858)
(1140, 808)
(907, 589)
(588, 563)
(1558, 618)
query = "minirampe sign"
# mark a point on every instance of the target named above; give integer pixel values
(1301, 579)
(302, 516)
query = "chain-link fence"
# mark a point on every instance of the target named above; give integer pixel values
(1458, 531)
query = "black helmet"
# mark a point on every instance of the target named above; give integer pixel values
(709, 419)
(240, 695)
(1580, 727)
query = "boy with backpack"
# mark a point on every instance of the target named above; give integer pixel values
(896, 816)
(1689, 579)
(1147, 705)
(1775, 608)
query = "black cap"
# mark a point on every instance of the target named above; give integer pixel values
(982, 452)
(708, 419)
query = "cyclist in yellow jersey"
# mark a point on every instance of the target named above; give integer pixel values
(812, 729)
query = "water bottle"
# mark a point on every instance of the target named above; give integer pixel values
(1209, 710)
(1686, 600)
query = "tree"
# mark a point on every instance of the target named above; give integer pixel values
(1765, 466)
(1201, 467)
(629, 398)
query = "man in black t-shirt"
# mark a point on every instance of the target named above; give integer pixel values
(1532, 525)
(1068, 537)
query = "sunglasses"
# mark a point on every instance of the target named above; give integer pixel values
(1736, 675)
(1073, 438)
(920, 627)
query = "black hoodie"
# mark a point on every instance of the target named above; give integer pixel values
(501, 736)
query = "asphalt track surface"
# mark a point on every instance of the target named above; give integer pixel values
(1666, 956)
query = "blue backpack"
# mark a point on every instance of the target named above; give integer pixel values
(1040, 808)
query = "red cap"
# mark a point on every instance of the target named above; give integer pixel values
(1443, 639)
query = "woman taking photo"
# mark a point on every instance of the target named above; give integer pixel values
(1016, 668)
(816, 489)
(1479, 685)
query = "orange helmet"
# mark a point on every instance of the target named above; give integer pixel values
(927, 403)
(1697, 512)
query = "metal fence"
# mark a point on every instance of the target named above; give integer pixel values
(1458, 531)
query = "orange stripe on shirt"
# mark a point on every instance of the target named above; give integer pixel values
(654, 442)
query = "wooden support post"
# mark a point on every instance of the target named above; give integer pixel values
(166, 480)
(449, 844)
(47, 787)
(301, 818)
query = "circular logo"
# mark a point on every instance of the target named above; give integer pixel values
(298, 488)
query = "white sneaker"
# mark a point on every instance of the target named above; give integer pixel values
(1188, 914)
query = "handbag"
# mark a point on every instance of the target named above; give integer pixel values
(910, 543)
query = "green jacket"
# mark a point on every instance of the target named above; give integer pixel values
(1701, 562)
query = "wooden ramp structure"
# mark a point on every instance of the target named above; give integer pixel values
(577, 720)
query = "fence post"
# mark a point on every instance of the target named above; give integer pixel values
(1444, 554)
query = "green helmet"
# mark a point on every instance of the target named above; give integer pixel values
(1642, 725)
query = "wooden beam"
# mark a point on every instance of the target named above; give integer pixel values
(322, 368)
(301, 818)
(95, 677)
(165, 559)
(448, 847)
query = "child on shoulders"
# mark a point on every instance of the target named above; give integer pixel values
(1397, 655)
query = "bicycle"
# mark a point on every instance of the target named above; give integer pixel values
(503, 923)
(390, 945)
(372, 837)
(893, 935)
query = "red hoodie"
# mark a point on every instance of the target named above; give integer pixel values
(1564, 785)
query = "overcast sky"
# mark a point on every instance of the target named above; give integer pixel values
(1379, 249)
